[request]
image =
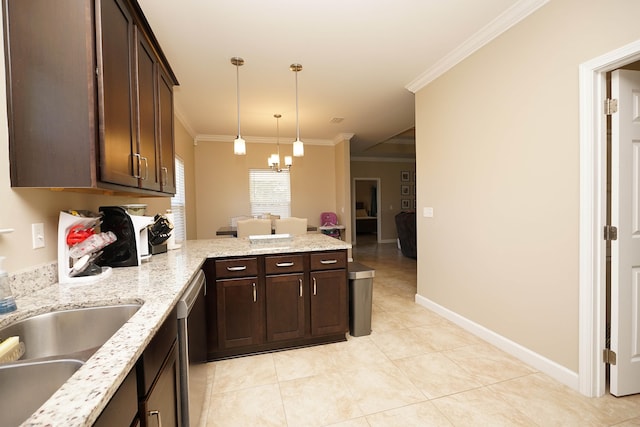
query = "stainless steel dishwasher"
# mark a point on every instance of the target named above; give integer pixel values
(192, 351)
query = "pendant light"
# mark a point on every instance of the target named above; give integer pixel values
(239, 146)
(298, 146)
(274, 159)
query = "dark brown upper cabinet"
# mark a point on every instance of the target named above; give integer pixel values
(89, 97)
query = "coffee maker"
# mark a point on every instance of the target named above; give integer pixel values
(132, 245)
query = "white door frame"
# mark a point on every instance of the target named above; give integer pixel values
(593, 203)
(378, 207)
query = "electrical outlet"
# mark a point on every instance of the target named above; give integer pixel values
(37, 235)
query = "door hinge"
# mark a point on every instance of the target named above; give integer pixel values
(610, 232)
(610, 106)
(609, 356)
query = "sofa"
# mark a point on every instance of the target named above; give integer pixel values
(406, 227)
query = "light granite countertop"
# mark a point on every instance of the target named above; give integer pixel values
(158, 284)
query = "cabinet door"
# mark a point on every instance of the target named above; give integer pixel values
(161, 408)
(146, 129)
(284, 299)
(166, 132)
(115, 95)
(329, 312)
(240, 312)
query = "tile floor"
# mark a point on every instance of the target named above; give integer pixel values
(415, 369)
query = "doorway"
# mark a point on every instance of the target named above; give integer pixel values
(366, 209)
(593, 215)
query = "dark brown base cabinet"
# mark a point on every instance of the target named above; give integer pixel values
(89, 98)
(271, 302)
(149, 396)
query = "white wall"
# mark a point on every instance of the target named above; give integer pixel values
(497, 153)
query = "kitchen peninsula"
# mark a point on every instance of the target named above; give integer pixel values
(159, 284)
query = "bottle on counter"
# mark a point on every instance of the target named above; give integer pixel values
(7, 301)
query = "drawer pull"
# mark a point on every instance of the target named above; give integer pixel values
(239, 268)
(328, 261)
(285, 264)
(315, 286)
(255, 293)
(300, 280)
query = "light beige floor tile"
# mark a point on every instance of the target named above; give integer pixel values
(358, 352)
(257, 406)
(446, 336)
(304, 362)
(618, 409)
(401, 343)
(244, 372)
(419, 317)
(487, 363)
(381, 387)
(317, 401)
(549, 403)
(480, 407)
(386, 321)
(356, 422)
(436, 375)
(416, 415)
(635, 422)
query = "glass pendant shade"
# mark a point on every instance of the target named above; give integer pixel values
(298, 148)
(239, 146)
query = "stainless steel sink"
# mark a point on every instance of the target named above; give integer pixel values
(26, 386)
(77, 332)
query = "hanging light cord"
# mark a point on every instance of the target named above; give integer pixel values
(297, 117)
(238, 94)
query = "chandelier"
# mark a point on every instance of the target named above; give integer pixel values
(274, 159)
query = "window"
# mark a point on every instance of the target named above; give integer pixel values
(270, 192)
(178, 204)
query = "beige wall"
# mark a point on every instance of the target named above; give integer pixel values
(223, 182)
(498, 159)
(390, 197)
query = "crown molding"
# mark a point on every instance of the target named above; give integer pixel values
(499, 25)
(383, 159)
(259, 140)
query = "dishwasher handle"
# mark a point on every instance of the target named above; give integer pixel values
(190, 295)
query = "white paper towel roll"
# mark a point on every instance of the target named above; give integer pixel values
(171, 241)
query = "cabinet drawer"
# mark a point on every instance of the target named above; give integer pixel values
(284, 264)
(236, 267)
(328, 260)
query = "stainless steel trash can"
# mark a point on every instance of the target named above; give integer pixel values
(360, 298)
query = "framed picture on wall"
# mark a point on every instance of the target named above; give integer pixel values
(405, 204)
(405, 190)
(404, 176)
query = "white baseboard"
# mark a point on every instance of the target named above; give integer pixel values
(537, 361)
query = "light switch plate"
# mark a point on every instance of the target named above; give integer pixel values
(37, 235)
(427, 212)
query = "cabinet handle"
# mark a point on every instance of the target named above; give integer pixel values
(300, 280)
(156, 414)
(165, 175)
(315, 286)
(139, 165)
(239, 268)
(146, 168)
(255, 294)
(285, 264)
(328, 261)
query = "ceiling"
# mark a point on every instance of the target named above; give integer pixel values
(358, 58)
